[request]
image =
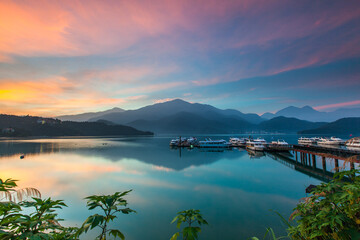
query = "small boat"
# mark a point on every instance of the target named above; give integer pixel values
(255, 145)
(279, 145)
(353, 143)
(183, 142)
(280, 142)
(208, 143)
(175, 142)
(330, 141)
(260, 140)
(339, 140)
(237, 142)
(306, 141)
(316, 139)
(191, 141)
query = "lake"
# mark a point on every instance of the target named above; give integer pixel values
(235, 191)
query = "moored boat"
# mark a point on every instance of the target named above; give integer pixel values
(260, 140)
(339, 140)
(183, 142)
(255, 145)
(208, 143)
(353, 143)
(175, 142)
(306, 141)
(237, 142)
(330, 141)
(279, 145)
(280, 142)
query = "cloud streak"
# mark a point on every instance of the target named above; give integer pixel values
(337, 105)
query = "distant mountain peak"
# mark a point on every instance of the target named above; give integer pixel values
(178, 100)
(308, 107)
(86, 116)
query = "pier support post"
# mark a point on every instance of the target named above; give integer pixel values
(336, 165)
(314, 161)
(324, 164)
(296, 157)
(302, 158)
(308, 158)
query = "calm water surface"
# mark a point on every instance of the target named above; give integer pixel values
(235, 191)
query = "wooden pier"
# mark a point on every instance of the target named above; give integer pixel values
(320, 162)
(310, 156)
(330, 152)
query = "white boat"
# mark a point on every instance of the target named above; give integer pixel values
(353, 143)
(330, 141)
(339, 140)
(260, 140)
(279, 145)
(208, 143)
(237, 142)
(316, 139)
(183, 142)
(255, 145)
(305, 141)
(175, 142)
(280, 142)
(191, 140)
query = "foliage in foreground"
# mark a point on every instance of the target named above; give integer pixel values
(110, 205)
(43, 221)
(269, 234)
(190, 217)
(331, 212)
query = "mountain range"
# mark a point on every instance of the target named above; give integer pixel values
(341, 126)
(83, 117)
(309, 114)
(178, 116)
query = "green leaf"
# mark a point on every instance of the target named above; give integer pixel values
(175, 236)
(116, 233)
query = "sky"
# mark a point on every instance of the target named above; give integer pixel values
(71, 56)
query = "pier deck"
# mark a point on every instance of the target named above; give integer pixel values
(329, 152)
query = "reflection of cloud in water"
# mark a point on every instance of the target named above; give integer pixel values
(160, 168)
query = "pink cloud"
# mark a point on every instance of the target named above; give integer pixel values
(68, 27)
(337, 105)
(163, 100)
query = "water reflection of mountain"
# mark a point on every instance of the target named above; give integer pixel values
(153, 151)
(176, 159)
